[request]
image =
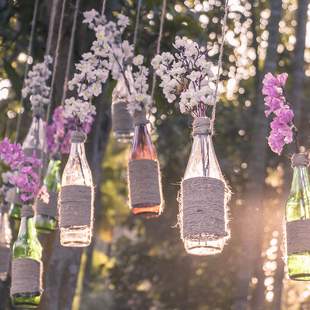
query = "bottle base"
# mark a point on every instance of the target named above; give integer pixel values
(299, 266)
(146, 211)
(78, 236)
(45, 224)
(203, 248)
(26, 300)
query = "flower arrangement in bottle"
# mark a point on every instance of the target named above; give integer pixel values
(187, 77)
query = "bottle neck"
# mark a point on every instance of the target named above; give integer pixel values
(142, 145)
(27, 228)
(300, 179)
(52, 177)
(77, 149)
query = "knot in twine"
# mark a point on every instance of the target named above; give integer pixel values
(27, 211)
(38, 111)
(78, 137)
(201, 126)
(300, 159)
(139, 117)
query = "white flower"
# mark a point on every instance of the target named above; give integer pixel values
(89, 16)
(77, 108)
(138, 60)
(123, 21)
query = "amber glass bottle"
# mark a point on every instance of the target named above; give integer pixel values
(143, 148)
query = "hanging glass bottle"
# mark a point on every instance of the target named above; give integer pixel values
(145, 193)
(46, 202)
(204, 195)
(298, 221)
(5, 242)
(76, 197)
(26, 288)
(122, 122)
(35, 141)
(15, 206)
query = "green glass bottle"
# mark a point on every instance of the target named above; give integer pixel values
(298, 220)
(27, 250)
(46, 206)
(15, 207)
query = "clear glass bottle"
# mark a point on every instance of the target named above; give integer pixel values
(143, 148)
(298, 208)
(76, 172)
(35, 140)
(5, 243)
(51, 185)
(203, 163)
(122, 122)
(27, 246)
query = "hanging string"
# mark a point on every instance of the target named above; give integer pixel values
(70, 53)
(56, 58)
(51, 28)
(103, 7)
(135, 36)
(160, 36)
(29, 54)
(220, 64)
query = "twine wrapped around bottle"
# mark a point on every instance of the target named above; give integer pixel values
(122, 121)
(297, 232)
(203, 203)
(47, 208)
(26, 276)
(76, 206)
(144, 177)
(78, 137)
(5, 258)
(27, 211)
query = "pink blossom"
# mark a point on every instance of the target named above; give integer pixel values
(282, 124)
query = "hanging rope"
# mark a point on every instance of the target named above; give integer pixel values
(29, 53)
(103, 7)
(51, 28)
(135, 36)
(220, 64)
(70, 53)
(56, 58)
(160, 36)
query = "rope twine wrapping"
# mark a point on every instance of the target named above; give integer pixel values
(27, 211)
(300, 159)
(49, 208)
(76, 206)
(139, 118)
(5, 258)
(78, 137)
(122, 122)
(201, 126)
(202, 209)
(26, 276)
(144, 181)
(297, 236)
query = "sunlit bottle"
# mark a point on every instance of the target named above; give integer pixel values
(298, 213)
(5, 243)
(77, 172)
(27, 254)
(144, 149)
(122, 122)
(203, 163)
(46, 203)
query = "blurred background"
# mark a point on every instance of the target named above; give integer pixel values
(141, 264)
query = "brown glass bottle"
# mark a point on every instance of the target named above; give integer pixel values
(143, 148)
